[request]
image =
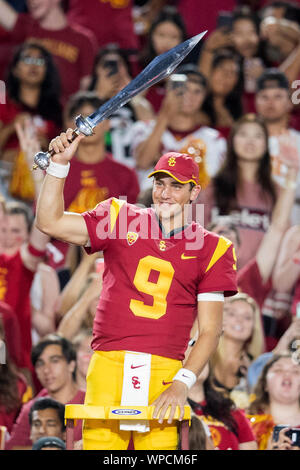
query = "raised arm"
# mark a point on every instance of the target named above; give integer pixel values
(8, 16)
(51, 218)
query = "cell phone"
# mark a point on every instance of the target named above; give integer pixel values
(298, 310)
(177, 81)
(112, 66)
(293, 434)
(224, 19)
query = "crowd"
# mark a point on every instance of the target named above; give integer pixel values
(233, 106)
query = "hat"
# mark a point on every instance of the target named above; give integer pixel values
(49, 441)
(179, 166)
(272, 78)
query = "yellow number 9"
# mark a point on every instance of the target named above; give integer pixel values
(158, 290)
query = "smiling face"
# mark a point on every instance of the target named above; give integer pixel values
(283, 381)
(170, 197)
(238, 320)
(250, 142)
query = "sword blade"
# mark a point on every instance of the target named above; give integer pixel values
(159, 68)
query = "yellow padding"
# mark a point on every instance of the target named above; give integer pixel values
(119, 412)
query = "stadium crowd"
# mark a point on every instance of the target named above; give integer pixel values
(233, 106)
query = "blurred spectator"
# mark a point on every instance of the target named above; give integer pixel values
(286, 275)
(47, 419)
(180, 126)
(82, 313)
(54, 359)
(24, 249)
(32, 90)
(288, 343)
(167, 30)
(277, 399)
(223, 103)
(229, 427)
(111, 73)
(110, 21)
(12, 333)
(273, 104)
(82, 345)
(95, 176)
(72, 47)
(14, 390)
(241, 342)
(199, 435)
(243, 188)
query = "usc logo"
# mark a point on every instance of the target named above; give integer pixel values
(135, 382)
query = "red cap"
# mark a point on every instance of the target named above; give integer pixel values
(179, 166)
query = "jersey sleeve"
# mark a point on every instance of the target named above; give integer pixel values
(220, 272)
(101, 224)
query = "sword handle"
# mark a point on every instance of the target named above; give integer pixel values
(42, 159)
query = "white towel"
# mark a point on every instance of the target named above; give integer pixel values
(135, 392)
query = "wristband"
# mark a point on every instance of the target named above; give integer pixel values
(186, 376)
(58, 170)
(35, 252)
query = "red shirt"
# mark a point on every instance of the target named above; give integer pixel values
(148, 301)
(110, 20)
(222, 437)
(15, 284)
(10, 110)
(12, 333)
(90, 183)
(73, 49)
(21, 430)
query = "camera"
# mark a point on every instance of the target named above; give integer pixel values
(177, 81)
(112, 66)
(293, 434)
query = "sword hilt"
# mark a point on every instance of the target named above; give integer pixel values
(42, 159)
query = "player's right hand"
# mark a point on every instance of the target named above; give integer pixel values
(63, 147)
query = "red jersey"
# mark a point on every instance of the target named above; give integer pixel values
(90, 183)
(15, 284)
(110, 20)
(151, 281)
(73, 49)
(222, 437)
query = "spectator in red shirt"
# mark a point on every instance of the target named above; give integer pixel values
(72, 47)
(32, 90)
(54, 359)
(229, 427)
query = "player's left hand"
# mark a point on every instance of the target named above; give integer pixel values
(173, 396)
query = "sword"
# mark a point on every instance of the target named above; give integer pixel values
(160, 67)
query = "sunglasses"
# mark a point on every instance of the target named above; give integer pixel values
(33, 60)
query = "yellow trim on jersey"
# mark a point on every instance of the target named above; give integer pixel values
(221, 248)
(115, 207)
(170, 174)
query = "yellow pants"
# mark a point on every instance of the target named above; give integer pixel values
(104, 388)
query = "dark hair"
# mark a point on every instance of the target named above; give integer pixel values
(192, 72)
(9, 394)
(43, 403)
(226, 182)
(233, 101)
(277, 78)
(243, 13)
(102, 53)
(67, 347)
(167, 14)
(261, 402)
(19, 208)
(48, 106)
(216, 405)
(197, 436)
(79, 99)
